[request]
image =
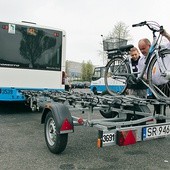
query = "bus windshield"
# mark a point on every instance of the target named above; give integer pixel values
(30, 47)
(98, 73)
(98, 81)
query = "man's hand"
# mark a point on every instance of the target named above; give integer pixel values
(165, 34)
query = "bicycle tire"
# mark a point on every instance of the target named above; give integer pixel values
(162, 91)
(115, 75)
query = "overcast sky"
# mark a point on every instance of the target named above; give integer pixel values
(86, 20)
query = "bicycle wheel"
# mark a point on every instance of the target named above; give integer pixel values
(115, 77)
(159, 82)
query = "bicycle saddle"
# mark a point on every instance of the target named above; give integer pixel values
(118, 51)
(122, 48)
(126, 47)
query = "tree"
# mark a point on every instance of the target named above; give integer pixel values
(119, 34)
(87, 71)
(120, 31)
(83, 71)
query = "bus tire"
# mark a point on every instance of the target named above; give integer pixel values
(56, 143)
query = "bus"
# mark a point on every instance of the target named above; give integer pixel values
(32, 57)
(97, 82)
(98, 85)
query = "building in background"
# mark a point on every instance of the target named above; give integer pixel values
(73, 69)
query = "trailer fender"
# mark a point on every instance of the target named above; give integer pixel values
(62, 117)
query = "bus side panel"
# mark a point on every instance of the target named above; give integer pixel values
(24, 78)
(100, 87)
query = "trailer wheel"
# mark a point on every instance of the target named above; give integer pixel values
(55, 142)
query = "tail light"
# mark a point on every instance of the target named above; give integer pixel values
(126, 137)
(5, 27)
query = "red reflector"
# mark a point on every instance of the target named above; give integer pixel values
(127, 137)
(5, 27)
(66, 125)
(56, 34)
(80, 121)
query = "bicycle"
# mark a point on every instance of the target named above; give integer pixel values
(119, 67)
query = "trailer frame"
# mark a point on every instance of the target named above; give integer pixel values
(127, 119)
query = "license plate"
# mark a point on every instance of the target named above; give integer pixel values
(108, 139)
(156, 131)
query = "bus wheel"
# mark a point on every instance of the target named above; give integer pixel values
(55, 142)
(94, 90)
(108, 114)
(105, 92)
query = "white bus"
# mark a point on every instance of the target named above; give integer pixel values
(32, 57)
(98, 84)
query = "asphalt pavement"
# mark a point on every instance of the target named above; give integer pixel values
(23, 147)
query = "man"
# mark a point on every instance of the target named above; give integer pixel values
(144, 45)
(135, 55)
(67, 83)
(136, 89)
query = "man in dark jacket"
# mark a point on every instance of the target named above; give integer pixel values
(137, 89)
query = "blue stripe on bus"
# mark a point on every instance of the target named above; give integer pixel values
(117, 88)
(102, 88)
(14, 94)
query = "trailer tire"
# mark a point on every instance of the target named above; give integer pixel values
(55, 142)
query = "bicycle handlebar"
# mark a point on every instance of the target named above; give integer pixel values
(139, 24)
(153, 26)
